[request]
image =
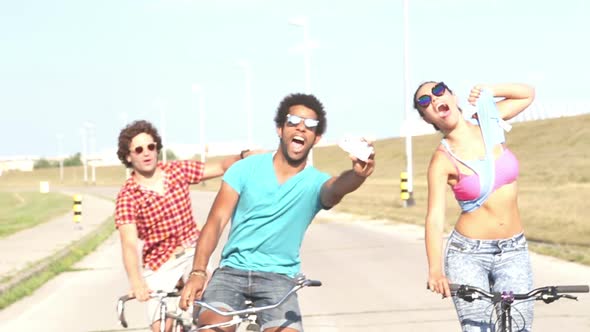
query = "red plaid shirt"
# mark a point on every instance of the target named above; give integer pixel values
(163, 222)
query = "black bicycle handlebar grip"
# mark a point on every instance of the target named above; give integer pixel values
(314, 283)
(454, 287)
(572, 289)
(126, 298)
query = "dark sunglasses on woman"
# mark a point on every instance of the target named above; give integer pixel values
(437, 90)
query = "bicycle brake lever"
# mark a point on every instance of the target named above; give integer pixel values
(466, 294)
(548, 298)
(571, 297)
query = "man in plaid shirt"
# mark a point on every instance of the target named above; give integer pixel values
(271, 199)
(154, 206)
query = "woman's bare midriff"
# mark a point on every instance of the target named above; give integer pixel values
(498, 218)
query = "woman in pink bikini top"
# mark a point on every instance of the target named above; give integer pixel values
(475, 163)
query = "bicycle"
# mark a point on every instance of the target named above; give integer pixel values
(245, 317)
(179, 323)
(503, 300)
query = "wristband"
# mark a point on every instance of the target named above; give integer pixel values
(199, 273)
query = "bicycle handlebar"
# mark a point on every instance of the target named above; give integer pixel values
(300, 283)
(249, 311)
(125, 298)
(547, 293)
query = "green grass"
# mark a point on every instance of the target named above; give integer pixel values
(21, 210)
(554, 182)
(59, 263)
(73, 176)
(572, 253)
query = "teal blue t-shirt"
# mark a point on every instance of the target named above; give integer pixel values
(270, 219)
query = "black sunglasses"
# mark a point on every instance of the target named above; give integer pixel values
(139, 149)
(437, 90)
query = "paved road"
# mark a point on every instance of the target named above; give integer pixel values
(23, 248)
(373, 277)
(375, 281)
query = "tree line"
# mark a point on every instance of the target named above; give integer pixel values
(76, 160)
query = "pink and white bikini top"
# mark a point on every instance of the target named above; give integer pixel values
(468, 186)
(489, 173)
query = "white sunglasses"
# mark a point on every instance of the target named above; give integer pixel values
(294, 120)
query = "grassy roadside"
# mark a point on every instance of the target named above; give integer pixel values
(22, 210)
(40, 272)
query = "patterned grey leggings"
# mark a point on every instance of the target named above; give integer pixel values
(497, 265)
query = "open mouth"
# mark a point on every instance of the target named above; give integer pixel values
(297, 144)
(443, 110)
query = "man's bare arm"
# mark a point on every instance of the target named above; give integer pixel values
(132, 261)
(220, 214)
(337, 187)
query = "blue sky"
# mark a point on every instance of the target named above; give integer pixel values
(67, 62)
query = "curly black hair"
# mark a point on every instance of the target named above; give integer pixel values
(129, 132)
(307, 100)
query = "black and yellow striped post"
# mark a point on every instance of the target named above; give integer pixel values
(406, 193)
(77, 209)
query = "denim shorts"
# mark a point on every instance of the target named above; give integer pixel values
(495, 265)
(229, 288)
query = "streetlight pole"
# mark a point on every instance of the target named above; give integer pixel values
(163, 125)
(92, 138)
(197, 89)
(123, 116)
(248, 99)
(408, 109)
(60, 156)
(83, 132)
(302, 23)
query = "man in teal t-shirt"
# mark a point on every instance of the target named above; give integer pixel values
(270, 217)
(271, 200)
